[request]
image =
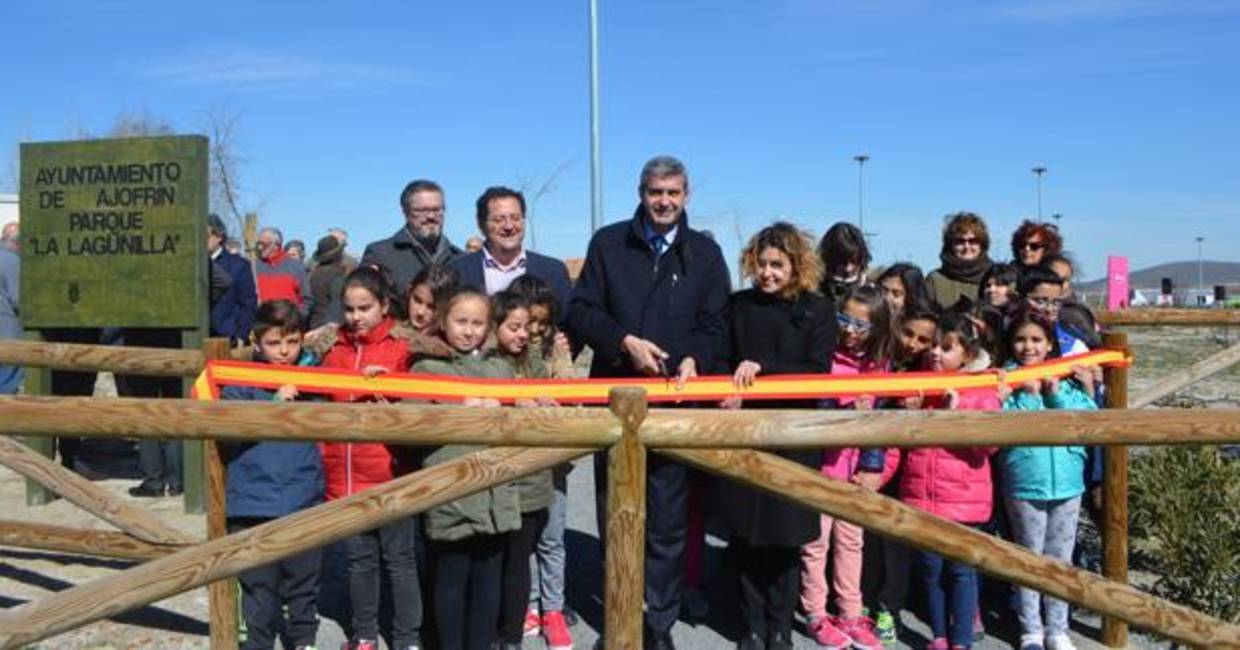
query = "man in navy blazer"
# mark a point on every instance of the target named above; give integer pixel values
(503, 258)
(232, 310)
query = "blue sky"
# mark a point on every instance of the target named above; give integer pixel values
(1132, 106)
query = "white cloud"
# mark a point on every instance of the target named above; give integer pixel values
(275, 72)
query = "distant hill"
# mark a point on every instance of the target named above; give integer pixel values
(1182, 274)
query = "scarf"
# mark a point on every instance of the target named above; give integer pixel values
(961, 271)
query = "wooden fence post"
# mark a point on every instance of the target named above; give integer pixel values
(38, 381)
(625, 556)
(223, 593)
(1115, 494)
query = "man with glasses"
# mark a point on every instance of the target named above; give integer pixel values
(1043, 291)
(503, 257)
(420, 241)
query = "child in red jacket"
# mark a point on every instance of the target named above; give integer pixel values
(953, 484)
(366, 345)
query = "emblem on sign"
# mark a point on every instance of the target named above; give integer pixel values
(75, 293)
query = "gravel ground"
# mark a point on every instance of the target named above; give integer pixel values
(180, 621)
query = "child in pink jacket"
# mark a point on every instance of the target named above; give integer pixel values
(954, 484)
(863, 347)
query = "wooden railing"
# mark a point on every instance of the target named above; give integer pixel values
(528, 440)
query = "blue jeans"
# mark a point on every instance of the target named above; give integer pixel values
(958, 600)
(547, 564)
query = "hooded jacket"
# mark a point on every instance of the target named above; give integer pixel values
(354, 466)
(1045, 473)
(486, 512)
(269, 478)
(953, 483)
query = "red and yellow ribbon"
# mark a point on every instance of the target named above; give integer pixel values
(333, 381)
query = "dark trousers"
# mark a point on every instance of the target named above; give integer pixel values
(293, 581)
(516, 593)
(667, 516)
(392, 548)
(158, 460)
(67, 383)
(955, 601)
(885, 573)
(467, 590)
(769, 578)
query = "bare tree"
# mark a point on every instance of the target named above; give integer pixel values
(226, 163)
(140, 123)
(534, 190)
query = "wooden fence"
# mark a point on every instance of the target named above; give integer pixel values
(527, 440)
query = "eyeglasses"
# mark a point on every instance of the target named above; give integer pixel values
(1033, 246)
(502, 219)
(1042, 302)
(855, 324)
(968, 241)
(427, 211)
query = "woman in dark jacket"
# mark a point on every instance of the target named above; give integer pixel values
(780, 326)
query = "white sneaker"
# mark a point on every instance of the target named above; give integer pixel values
(1030, 641)
(1059, 642)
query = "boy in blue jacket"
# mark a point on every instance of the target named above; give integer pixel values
(268, 480)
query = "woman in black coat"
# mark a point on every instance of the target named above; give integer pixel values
(780, 326)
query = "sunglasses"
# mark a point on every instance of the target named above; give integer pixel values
(1033, 245)
(968, 241)
(855, 324)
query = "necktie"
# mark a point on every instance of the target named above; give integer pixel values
(658, 243)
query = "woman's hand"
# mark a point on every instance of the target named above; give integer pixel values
(745, 373)
(1085, 376)
(732, 403)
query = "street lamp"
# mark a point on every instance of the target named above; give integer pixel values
(1039, 170)
(860, 158)
(1056, 217)
(1201, 283)
(596, 160)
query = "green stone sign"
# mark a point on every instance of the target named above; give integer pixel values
(113, 232)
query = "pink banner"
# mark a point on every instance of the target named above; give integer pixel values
(1117, 282)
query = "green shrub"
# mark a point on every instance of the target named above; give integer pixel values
(1185, 516)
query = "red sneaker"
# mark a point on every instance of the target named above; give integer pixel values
(861, 630)
(827, 635)
(555, 631)
(533, 623)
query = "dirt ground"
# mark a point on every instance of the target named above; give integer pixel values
(180, 621)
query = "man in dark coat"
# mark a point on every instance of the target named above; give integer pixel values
(420, 240)
(232, 311)
(650, 301)
(504, 258)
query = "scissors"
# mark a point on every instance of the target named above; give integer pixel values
(664, 373)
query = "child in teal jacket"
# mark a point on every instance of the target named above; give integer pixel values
(1042, 486)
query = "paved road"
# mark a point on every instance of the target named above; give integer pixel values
(585, 587)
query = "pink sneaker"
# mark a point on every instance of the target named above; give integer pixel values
(827, 635)
(533, 623)
(555, 631)
(861, 630)
(938, 644)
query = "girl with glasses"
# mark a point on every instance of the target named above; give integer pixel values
(863, 345)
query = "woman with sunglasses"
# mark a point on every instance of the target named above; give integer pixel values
(1033, 242)
(964, 257)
